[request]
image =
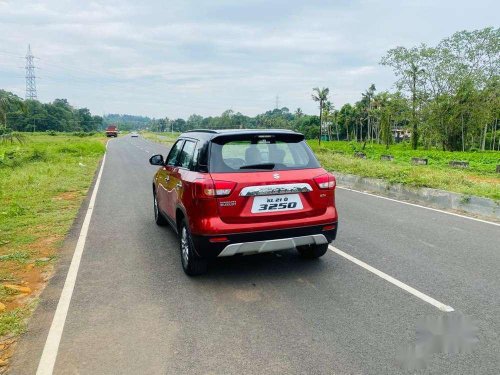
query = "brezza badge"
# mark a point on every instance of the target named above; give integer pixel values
(227, 203)
(276, 176)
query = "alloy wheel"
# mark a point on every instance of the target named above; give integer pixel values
(184, 247)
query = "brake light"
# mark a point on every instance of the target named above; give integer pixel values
(212, 189)
(325, 181)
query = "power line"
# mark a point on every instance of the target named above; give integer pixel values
(2, 52)
(30, 75)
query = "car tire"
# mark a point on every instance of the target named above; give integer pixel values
(192, 264)
(159, 218)
(312, 251)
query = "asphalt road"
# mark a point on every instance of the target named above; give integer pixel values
(133, 311)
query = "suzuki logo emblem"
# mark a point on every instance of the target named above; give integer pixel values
(276, 176)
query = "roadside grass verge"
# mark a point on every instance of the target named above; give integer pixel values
(479, 179)
(163, 138)
(13, 321)
(42, 185)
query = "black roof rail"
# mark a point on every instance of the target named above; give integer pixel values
(201, 131)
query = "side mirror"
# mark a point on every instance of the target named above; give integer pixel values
(156, 160)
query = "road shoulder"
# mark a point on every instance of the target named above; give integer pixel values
(30, 345)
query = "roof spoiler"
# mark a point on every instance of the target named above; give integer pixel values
(255, 137)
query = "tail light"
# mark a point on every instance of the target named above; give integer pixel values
(325, 181)
(213, 189)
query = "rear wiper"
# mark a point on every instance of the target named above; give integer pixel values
(258, 166)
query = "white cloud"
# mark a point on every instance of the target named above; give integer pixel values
(173, 58)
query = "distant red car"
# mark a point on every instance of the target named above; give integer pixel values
(230, 192)
(112, 131)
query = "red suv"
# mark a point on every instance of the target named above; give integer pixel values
(229, 192)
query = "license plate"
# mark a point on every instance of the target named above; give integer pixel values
(275, 203)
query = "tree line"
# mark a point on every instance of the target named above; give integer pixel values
(21, 115)
(127, 122)
(277, 118)
(446, 96)
(452, 89)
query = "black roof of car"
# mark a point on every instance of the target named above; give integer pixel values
(240, 131)
(216, 133)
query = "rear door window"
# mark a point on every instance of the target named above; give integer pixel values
(260, 154)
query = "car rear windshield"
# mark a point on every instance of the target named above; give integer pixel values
(257, 153)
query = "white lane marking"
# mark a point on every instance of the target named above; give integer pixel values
(49, 355)
(417, 205)
(424, 297)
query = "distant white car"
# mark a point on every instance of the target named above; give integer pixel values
(134, 134)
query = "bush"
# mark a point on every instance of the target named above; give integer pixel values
(51, 132)
(11, 158)
(38, 155)
(83, 134)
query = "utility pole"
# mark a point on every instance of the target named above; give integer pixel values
(30, 75)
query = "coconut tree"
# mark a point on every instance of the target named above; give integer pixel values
(414, 72)
(7, 104)
(11, 137)
(328, 116)
(321, 96)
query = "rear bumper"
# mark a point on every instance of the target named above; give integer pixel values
(272, 245)
(263, 241)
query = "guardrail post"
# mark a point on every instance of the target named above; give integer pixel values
(419, 161)
(459, 164)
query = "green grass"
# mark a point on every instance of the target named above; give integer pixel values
(5, 293)
(17, 256)
(42, 185)
(14, 321)
(163, 138)
(479, 179)
(34, 179)
(6, 276)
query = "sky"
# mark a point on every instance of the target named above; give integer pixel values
(175, 58)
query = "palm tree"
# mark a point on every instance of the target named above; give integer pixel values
(5, 103)
(320, 96)
(299, 113)
(11, 137)
(367, 98)
(327, 116)
(414, 72)
(9, 103)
